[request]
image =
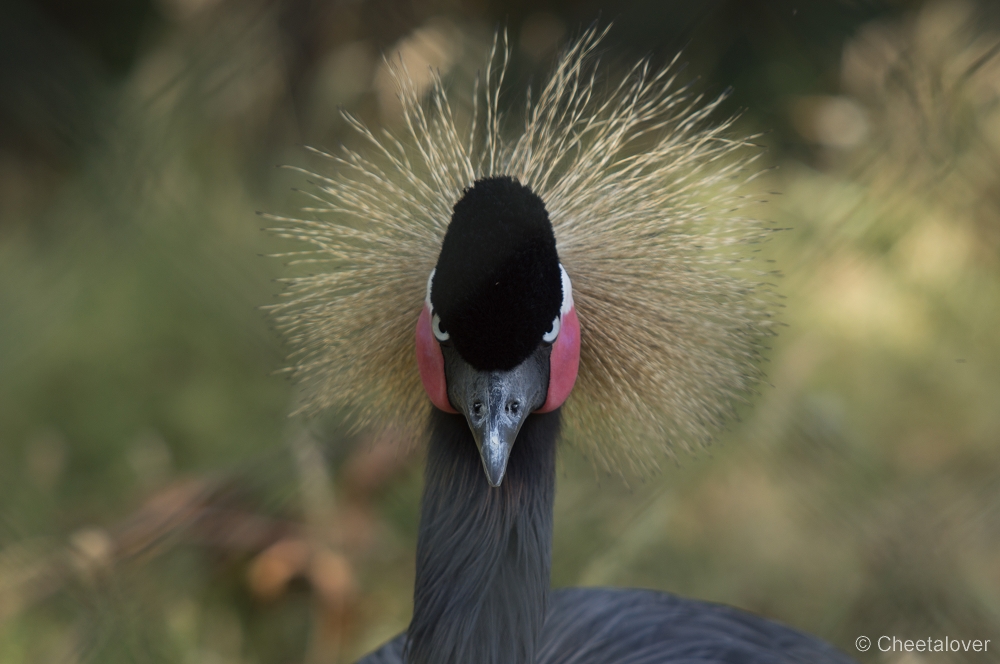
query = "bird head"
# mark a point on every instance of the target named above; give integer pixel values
(498, 337)
(472, 225)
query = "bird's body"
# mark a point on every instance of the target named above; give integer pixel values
(602, 243)
(626, 626)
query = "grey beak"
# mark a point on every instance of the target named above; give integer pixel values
(495, 416)
(496, 403)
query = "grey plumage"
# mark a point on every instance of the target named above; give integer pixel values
(483, 554)
(623, 626)
(483, 564)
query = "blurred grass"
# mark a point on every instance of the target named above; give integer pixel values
(158, 506)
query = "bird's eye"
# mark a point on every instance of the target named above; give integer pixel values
(551, 335)
(439, 334)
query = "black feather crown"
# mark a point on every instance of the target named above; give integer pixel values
(497, 285)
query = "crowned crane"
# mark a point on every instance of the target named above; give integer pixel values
(597, 252)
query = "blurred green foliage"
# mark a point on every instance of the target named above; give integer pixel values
(156, 505)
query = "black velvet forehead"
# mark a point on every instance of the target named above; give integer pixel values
(497, 285)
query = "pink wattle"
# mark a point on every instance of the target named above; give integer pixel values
(564, 362)
(431, 363)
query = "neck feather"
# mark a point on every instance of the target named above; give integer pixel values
(483, 553)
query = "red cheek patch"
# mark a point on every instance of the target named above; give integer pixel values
(431, 363)
(564, 362)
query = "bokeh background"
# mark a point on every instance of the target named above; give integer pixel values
(157, 505)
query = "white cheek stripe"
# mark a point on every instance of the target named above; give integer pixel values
(567, 289)
(427, 298)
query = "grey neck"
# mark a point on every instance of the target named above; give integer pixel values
(483, 553)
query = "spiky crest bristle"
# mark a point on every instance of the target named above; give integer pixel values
(644, 194)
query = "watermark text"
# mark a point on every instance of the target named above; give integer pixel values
(928, 644)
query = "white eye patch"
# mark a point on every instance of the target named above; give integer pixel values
(439, 334)
(551, 335)
(567, 289)
(427, 297)
(567, 304)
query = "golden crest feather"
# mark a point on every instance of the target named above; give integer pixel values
(644, 194)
